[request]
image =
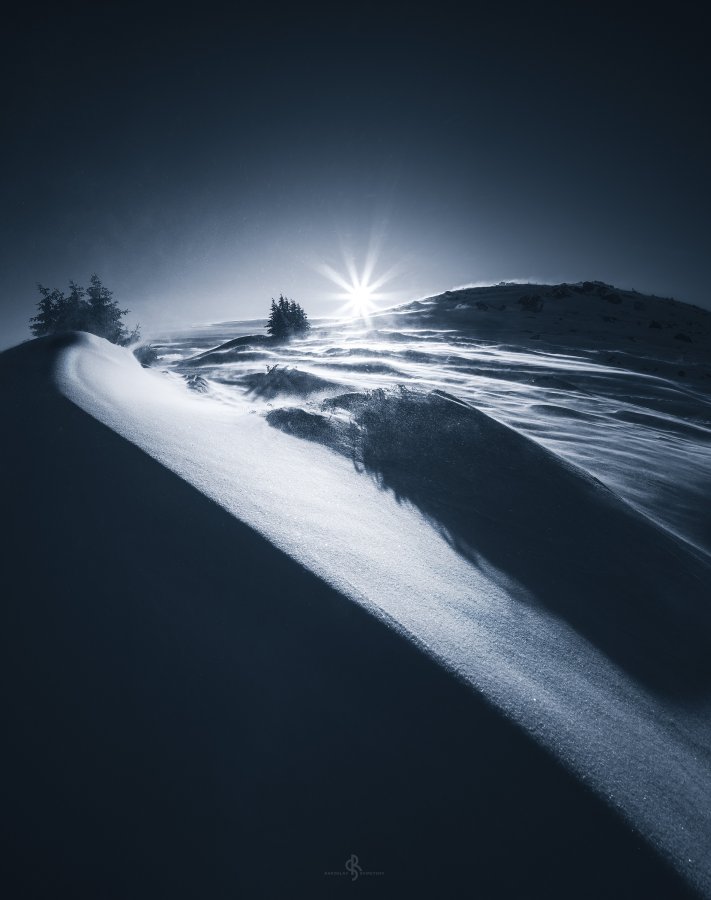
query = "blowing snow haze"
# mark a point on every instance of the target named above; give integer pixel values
(204, 162)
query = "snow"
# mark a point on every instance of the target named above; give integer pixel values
(581, 610)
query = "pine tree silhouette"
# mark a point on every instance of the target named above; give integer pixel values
(286, 318)
(99, 314)
(104, 313)
(47, 318)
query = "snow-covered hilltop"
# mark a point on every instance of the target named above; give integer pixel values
(512, 480)
(585, 314)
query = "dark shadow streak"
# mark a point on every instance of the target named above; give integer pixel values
(566, 541)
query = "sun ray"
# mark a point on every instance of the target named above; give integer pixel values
(334, 276)
(387, 276)
(361, 290)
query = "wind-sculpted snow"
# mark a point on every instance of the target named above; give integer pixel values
(575, 383)
(503, 501)
(283, 380)
(526, 498)
(191, 713)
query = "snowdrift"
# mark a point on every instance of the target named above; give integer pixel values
(284, 380)
(505, 502)
(603, 361)
(484, 644)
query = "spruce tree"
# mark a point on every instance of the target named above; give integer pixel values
(104, 313)
(286, 318)
(72, 310)
(45, 322)
(99, 314)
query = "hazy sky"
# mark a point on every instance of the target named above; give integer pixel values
(202, 164)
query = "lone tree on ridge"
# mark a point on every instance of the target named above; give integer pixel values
(286, 319)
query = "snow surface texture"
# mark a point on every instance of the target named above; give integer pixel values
(530, 508)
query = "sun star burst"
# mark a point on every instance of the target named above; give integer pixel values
(361, 292)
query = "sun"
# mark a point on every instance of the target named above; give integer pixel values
(360, 298)
(362, 292)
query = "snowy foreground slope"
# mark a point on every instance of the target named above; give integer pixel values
(510, 480)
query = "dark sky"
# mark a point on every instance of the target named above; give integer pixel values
(202, 162)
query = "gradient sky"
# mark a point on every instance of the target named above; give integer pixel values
(203, 163)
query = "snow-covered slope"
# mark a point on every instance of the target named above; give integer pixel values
(521, 499)
(540, 527)
(582, 369)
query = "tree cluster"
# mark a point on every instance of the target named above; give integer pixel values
(286, 318)
(91, 309)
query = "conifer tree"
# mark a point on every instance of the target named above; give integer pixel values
(45, 322)
(104, 313)
(99, 314)
(286, 318)
(72, 310)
